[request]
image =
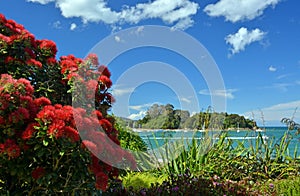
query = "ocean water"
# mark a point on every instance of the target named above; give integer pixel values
(157, 138)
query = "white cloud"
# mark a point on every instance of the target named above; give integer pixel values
(137, 116)
(282, 76)
(228, 93)
(185, 100)
(283, 87)
(117, 38)
(275, 113)
(57, 25)
(243, 38)
(141, 107)
(174, 12)
(73, 26)
(41, 1)
(239, 10)
(122, 91)
(272, 68)
(140, 29)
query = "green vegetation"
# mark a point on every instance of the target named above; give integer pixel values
(166, 117)
(222, 168)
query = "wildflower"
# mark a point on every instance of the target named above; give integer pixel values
(271, 185)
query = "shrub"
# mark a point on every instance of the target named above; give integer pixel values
(40, 148)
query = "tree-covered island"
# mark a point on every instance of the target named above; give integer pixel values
(167, 117)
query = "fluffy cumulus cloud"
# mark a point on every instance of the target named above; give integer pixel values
(137, 116)
(239, 10)
(242, 38)
(174, 12)
(228, 93)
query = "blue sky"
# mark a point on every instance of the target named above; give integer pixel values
(255, 45)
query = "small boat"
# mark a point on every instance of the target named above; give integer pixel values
(238, 129)
(202, 129)
(259, 130)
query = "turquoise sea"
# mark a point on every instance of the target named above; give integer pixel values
(156, 138)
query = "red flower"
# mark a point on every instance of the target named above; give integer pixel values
(91, 146)
(28, 87)
(8, 59)
(48, 45)
(56, 128)
(92, 85)
(20, 114)
(11, 148)
(106, 81)
(34, 62)
(13, 151)
(38, 173)
(25, 100)
(47, 113)
(104, 71)
(2, 148)
(71, 133)
(98, 114)
(29, 131)
(105, 125)
(93, 58)
(51, 61)
(42, 101)
(101, 181)
(30, 52)
(4, 38)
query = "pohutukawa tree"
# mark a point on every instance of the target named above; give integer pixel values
(43, 149)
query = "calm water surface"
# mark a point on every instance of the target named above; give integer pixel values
(160, 137)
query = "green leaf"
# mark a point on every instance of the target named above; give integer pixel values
(45, 142)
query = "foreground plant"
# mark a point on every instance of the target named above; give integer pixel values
(41, 145)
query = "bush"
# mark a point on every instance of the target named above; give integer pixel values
(40, 129)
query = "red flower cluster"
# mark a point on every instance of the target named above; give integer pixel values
(10, 148)
(38, 173)
(69, 64)
(29, 122)
(14, 35)
(60, 121)
(47, 45)
(17, 106)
